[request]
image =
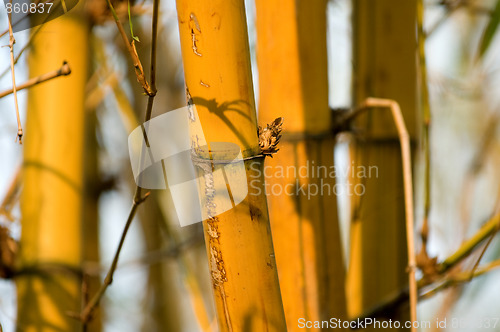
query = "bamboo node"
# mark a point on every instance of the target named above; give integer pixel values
(270, 136)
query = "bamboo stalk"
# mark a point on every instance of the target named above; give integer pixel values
(216, 59)
(293, 81)
(51, 200)
(384, 58)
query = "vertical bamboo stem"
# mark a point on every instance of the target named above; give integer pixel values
(216, 58)
(51, 201)
(293, 81)
(384, 67)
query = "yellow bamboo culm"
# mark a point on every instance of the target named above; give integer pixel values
(384, 67)
(217, 71)
(51, 201)
(293, 81)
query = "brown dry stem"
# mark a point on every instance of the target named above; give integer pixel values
(12, 41)
(150, 90)
(63, 71)
(404, 139)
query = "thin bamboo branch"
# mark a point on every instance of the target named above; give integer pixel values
(12, 41)
(178, 249)
(490, 227)
(21, 51)
(465, 276)
(139, 71)
(467, 247)
(63, 71)
(152, 88)
(478, 260)
(408, 184)
(460, 278)
(138, 198)
(87, 311)
(154, 42)
(404, 139)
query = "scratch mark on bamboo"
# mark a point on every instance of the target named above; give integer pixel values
(195, 26)
(216, 261)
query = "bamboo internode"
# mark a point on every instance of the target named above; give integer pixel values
(216, 60)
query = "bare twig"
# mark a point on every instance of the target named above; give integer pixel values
(465, 276)
(21, 51)
(152, 73)
(478, 260)
(467, 247)
(404, 139)
(154, 42)
(139, 71)
(489, 228)
(63, 71)
(407, 181)
(461, 278)
(12, 41)
(89, 308)
(401, 298)
(86, 314)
